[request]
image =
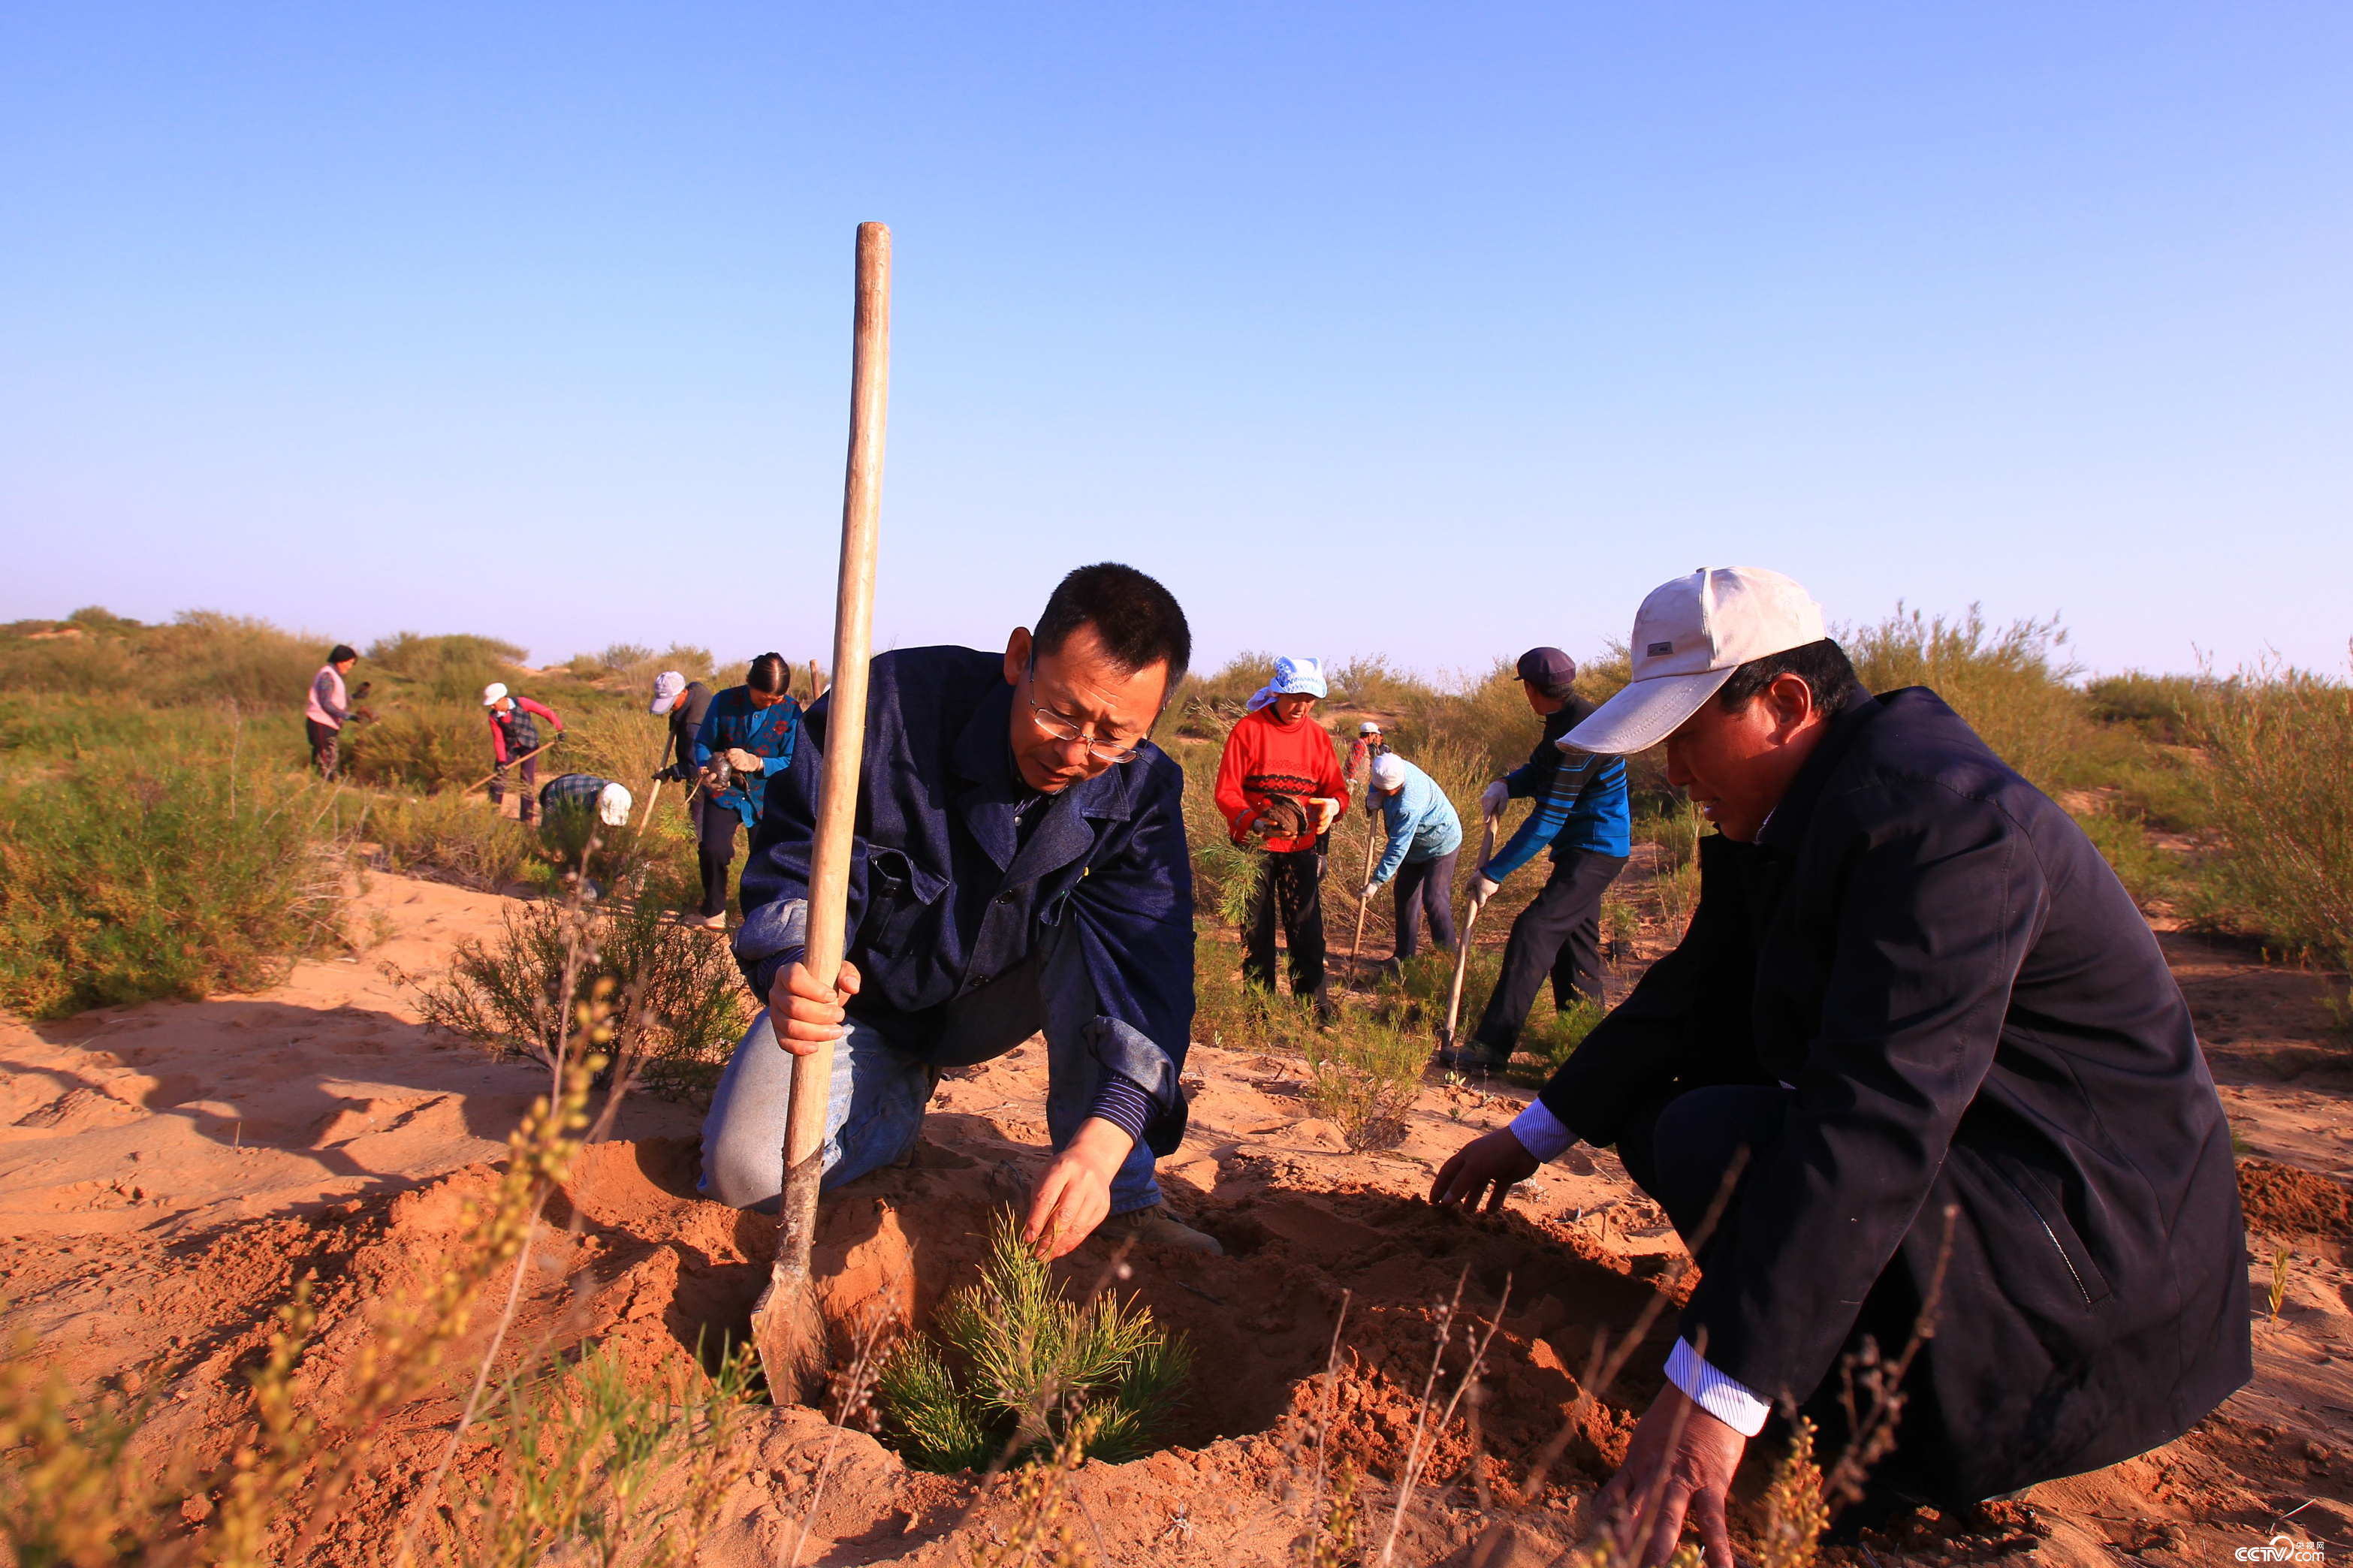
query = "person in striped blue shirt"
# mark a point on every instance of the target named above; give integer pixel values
(1581, 816)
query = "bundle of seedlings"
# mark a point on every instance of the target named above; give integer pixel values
(1020, 1370)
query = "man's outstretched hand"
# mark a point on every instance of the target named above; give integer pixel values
(1074, 1195)
(805, 1014)
(1495, 1159)
(1679, 1466)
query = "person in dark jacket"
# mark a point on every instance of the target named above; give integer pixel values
(684, 702)
(1581, 816)
(1921, 1007)
(1020, 866)
(746, 738)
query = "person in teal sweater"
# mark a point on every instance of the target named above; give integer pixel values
(1425, 838)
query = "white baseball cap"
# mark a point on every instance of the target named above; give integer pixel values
(492, 692)
(668, 687)
(1689, 637)
(1388, 769)
(613, 806)
(1369, 728)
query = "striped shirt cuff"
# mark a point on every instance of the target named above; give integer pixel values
(1540, 1132)
(1124, 1104)
(1723, 1397)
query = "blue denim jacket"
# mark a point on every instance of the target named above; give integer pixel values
(769, 734)
(944, 897)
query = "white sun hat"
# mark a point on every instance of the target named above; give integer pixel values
(1689, 637)
(1389, 771)
(492, 692)
(613, 806)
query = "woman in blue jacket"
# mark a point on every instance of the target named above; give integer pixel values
(1424, 837)
(750, 729)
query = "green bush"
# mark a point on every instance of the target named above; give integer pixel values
(1019, 1368)
(1365, 1074)
(202, 658)
(427, 746)
(685, 1006)
(2010, 685)
(2280, 750)
(459, 836)
(451, 668)
(127, 876)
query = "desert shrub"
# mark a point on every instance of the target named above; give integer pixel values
(2280, 751)
(1364, 1075)
(620, 742)
(457, 836)
(202, 658)
(1020, 1370)
(2160, 707)
(683, 1004)
(623, 656)
(2010, 685)
(1371, 681)
(1552, 1036)
(592, 1466)
(451, 668)
(126, 876)
(437, 745)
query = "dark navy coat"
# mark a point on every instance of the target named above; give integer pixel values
(941, 903)
(1970, 1011)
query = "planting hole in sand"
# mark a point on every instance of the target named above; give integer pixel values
(893, 1246)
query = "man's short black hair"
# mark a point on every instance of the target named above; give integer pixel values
(1822, 666)
(340, 652)
(769, 674)
(1138, 620)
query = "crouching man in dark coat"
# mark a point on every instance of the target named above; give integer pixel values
(1912, 989)
(1020, 866)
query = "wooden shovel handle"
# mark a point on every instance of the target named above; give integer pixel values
(853, 638)
(1462, 944)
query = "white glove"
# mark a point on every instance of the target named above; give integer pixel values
(1481, 889)
(1327, 812)
(1366, 897)
(743, 762)
(1492, 798)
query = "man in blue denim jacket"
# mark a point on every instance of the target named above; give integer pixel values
(1020, 866)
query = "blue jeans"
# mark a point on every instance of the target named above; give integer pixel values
(882, 1073)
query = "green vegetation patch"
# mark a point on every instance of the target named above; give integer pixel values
(131, 875)
(1019, 1369)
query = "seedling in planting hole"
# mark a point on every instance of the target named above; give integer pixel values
(2281, 1257)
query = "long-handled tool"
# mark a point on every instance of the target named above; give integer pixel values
(512, 762)
(1463, 948)
(787, 1327)
(1364, 900)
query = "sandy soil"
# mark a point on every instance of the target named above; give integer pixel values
(167, 1171)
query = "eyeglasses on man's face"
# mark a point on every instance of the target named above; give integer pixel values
(1102, 748)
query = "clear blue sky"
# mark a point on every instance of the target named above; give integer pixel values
(1435, 330)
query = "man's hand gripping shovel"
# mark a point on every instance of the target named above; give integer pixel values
(786, 1328)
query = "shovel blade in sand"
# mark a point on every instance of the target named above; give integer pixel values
(788, 1330)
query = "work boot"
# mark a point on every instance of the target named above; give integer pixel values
(1471, 1058)
(1158, 1225)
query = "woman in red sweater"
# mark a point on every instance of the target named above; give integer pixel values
(1279, 782)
